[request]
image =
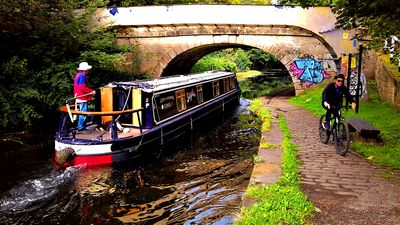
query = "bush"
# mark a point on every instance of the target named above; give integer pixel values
(42, 42)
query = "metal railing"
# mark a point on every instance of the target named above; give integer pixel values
(72, 111)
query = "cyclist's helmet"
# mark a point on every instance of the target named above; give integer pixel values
(339, 75)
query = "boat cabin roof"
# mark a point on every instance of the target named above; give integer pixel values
(173, 81)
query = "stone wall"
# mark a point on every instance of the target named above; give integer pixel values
(389, 88)
(370, 61)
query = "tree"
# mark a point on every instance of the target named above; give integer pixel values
(219, 60)
(262, 60)
(41, 43)
(377, 19)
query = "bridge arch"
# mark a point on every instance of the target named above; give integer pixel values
(183, 62)
(174, 49)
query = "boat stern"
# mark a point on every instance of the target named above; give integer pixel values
(67, 154)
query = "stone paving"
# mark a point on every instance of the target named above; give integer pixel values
(345, 190)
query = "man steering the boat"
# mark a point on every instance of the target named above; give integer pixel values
(82, 93)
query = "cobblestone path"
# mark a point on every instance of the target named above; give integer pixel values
(346, 190)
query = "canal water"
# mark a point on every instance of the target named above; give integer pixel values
(199, 180)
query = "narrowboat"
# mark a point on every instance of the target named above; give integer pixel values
(130, 118)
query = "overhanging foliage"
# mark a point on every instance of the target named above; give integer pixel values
(41, 43)
(376, 19)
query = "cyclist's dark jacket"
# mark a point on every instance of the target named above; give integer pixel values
(334, 95)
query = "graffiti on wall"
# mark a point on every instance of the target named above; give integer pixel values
(354, 82)
(113, 11)
(353, 76)
(308, 70)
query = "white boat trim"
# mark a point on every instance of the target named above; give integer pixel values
(97, 149)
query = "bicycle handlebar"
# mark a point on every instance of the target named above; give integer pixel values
(339, 107)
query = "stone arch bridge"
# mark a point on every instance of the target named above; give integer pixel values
(171, 39)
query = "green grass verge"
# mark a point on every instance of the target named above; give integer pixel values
(379, 113)
(282, 202)
(263, 114)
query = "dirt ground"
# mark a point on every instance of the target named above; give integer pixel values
(345, 190)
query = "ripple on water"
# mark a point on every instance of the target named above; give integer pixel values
(35, 191)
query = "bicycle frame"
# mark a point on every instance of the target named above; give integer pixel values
(338, 129)
(336, 120)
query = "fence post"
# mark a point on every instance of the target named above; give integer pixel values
(348, 75)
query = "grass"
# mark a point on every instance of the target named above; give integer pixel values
(379, 113)
(267, 145)
(257, 159)
(263, 114)
(282, 202)
(243, 75)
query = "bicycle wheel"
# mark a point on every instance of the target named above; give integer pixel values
(323, 133)
(342, 138)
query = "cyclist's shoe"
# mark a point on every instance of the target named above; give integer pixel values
(325, 125)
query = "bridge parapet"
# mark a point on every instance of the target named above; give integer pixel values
(319, 20)
(169, 30)
(316, 19)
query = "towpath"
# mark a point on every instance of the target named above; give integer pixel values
(346, 190)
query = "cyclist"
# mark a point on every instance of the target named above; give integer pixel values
(332, 98)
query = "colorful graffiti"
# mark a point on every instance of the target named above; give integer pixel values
(113, 11)
(354, 82)
(308, 70)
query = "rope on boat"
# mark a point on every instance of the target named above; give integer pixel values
(126, 102)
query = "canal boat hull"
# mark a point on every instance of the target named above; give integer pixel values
(70, 149)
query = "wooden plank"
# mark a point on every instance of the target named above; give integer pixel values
(106, 103)
(362, 126)
(136, 104)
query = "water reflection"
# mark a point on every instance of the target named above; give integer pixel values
(199, 180)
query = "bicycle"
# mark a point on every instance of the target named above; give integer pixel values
(340, 131)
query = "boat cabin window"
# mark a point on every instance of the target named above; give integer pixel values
(180, 100)
(191, 97)
(226, 85)
(165, 105)
(200, 98)
(232, 82)
(173, 102)
(208, 92)
(216, 90)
